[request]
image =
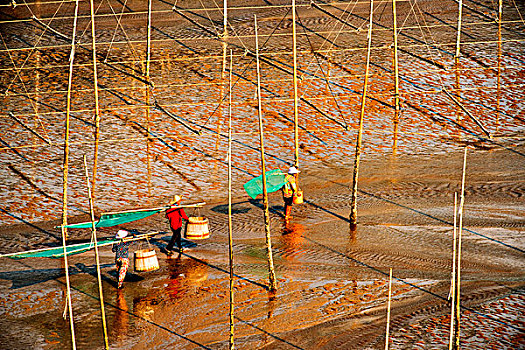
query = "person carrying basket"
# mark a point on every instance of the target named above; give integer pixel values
(175, 216)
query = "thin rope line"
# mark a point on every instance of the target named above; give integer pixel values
(268, 100)
(414, 72)
(324, 75)
(33, 103)
(214, 38)
(215, 133)
(32, 49)
(209, 18)
(128, 41)
(242, 73)
(518, 10)
(342, 26)
(441, 83)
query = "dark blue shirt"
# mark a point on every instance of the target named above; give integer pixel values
(121, 249)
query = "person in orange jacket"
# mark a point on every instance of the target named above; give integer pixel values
(288, 190)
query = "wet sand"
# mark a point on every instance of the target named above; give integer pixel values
(332, 282)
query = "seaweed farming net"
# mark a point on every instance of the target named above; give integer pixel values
(58, 252)
(275, 179)
(109, 220)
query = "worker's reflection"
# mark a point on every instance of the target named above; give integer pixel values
(183, 274)
(292, 237)
(121, 318)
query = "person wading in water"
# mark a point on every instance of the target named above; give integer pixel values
(288, 189)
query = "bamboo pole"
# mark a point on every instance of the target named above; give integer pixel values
(147, 97)
(329, 59)
(498, 89)
(37, 95)
(230, 225)
(97, 259)
(66, 169)
(457, 53)
(271, 272)
(97, 111)
(460, 229)
(453, 277)
(295, 106)
(223, 83)
(396, 80)
(224, 37)
(387, 336)
(353, 204)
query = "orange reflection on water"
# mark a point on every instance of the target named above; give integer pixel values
(292, 237)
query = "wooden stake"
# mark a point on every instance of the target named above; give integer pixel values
(388, 309)
(225, 37)
(453, 277)
(230, 225)
(37, 85)
(97, 260)
(271, 272)
(37, 96)
(97, 111)
(396, 80)
(456, 56)
(66, 169)
(353, 205)
(458, 37)
(460, 229)
(295, 106)
(498, 93)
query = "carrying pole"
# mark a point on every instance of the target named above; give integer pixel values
(295, 93)
(353, 204)
(230, 225)
(396, 81)
(271, 272)
(65, 175)
(97, 111)
(97, 259)
(196, 205)
(460, 229)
